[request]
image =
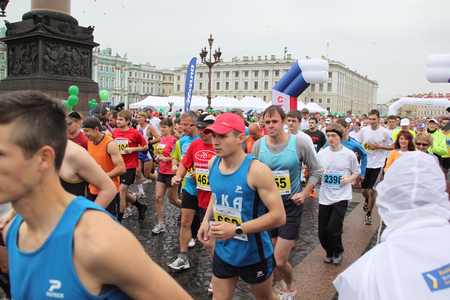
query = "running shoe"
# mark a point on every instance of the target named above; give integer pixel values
(191, 243)
(128, 212)
(159, 228)
(328, 260)
(368, 220)
(210, 287)
(287, 295)
(180, 263)
(338, 259)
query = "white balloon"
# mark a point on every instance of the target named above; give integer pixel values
(438, 74)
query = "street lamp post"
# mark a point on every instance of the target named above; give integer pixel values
(210, 63)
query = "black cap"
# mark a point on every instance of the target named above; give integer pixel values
(205, 120)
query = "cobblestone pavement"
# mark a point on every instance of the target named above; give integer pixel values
(164, 247)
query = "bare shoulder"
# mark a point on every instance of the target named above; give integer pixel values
(258, 173)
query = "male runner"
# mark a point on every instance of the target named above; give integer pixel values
(74, 132)
(146, 164)
(196, 158)
(284, 154)
(340, 168)
(130, 142)
(245, 204)
(61, 246)
(376, 140)
(106, 153)
(318, 138)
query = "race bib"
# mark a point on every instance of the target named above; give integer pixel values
(201, 178)
(229, 215)
(123, 144)
(283, 181)
(160, 148)
(333, 179)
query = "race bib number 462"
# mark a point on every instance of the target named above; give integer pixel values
(283, 181)
(201, 178)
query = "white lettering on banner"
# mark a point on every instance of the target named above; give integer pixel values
(281, 99)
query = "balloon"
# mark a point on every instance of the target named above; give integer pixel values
(72, 100)
(104, 95)
(74, 90)
(68, 107)
(92, 104)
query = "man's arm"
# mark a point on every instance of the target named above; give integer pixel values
(154, 133)
(363, 155)
(309, 157)
(88, 169)
(116, 157)
(108, 254)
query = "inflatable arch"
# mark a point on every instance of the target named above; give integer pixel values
(394, 107)
(438, 68)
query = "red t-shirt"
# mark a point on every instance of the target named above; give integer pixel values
(164, 148)
(129, 138)
(197, 156)
(81, 140)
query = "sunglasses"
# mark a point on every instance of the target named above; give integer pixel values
(422, 144)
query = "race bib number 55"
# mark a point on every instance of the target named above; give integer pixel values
(283, 181)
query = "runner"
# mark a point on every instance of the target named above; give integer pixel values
(340, 169)
(74, 132)
(146, 166)
(245, 205)
(284, 154)
(130, 142)
(318, 138)
(196, 158)
(376, 140)
(165, 174)
(403, 143)
(404, 126)
(106, 153)
(61, 246)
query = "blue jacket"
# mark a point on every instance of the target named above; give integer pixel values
(355, 146)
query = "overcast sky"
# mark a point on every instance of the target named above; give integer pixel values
(388, 40)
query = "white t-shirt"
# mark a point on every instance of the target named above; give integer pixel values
(335, 165)
(354, 134)
(375, 158)
(304, 125)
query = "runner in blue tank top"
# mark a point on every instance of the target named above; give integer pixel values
(61, 246)
(245, 204)
(284, 154)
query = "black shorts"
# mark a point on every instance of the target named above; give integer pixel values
(129, 177)
(165, 178)
(252, 274)
(371, 178)
(445, 162)
(291, 230)
(189, 201)
(112, 208)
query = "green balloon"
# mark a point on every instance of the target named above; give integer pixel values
(92, 104)
(104, 95)
(74, 90)
(68, 107)
(72, 100)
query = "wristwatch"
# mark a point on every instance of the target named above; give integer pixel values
(238, 230)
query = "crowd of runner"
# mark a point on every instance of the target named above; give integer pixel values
(239, 179)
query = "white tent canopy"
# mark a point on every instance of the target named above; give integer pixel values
(156, 102)
(394, 107)
(315, 108)
(253, 103)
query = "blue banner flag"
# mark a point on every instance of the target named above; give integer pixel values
(189, 84)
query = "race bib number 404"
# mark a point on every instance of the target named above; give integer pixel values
(201, 178)
(123, 144)
(283, 181)
(229, 215)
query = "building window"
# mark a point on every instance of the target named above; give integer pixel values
(227, 74)
(330, 75)
(255, 73)
(200, 86)
(227, 85)
(276, 72)
(255, 85)
(245, 73)
(313, 87)
(217, 74)
(236, 73)
(245, 85)
(328, 100)
(266, 85)
(178, 87)
(320, 100)
(217, 86)
(321, 87)
(329, 86)
(200, 75)
(266, 73)
(178, 77)
(236, 85)
(312, 100)
(265, 98)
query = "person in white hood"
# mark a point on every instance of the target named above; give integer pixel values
(413, 259)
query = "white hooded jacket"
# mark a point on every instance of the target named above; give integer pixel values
(413, 260)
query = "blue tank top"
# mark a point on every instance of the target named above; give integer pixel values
(190, 185)
(285, 166)
(49, 272)
(235, 202)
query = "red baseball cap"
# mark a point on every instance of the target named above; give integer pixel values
(227, 122)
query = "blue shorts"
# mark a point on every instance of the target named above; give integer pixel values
(144, 156)
(251, 274)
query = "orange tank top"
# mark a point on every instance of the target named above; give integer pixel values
(100, 154)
